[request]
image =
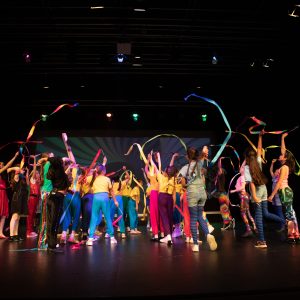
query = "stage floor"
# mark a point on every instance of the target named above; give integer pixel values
(137, 268)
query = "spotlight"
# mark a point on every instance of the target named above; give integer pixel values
(27, 57)
(120, 57)
(135, 117)
(214, 60)
(109, 116)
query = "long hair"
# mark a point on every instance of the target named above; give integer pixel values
(192, 153)
(258, 177)
(290, 161)
(98, 170)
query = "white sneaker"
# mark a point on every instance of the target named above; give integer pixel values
(89, 242)
(212, 242)
(113, 240)
(123, 236)
(211, 228)
(107, 235)
(164, 240)
(195, 248)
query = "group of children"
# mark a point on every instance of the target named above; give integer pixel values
(176, 198)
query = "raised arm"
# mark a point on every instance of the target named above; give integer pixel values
(174, 156)
(220, 169)
(68, 147)
(259, 144)
(272, 167)
(104, 161)
(145, 175)
(9, 163)
(33, 173)
(282, 147)
(158, 161)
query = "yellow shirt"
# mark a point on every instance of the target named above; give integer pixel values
(85, 186)
(178, 187)
(135, 194)
(116, 187)
(165, 184)
(153, 182)
(75, 186)
(148, 190)
(126, 190)
(102, 184)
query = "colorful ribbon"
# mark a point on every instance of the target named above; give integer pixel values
(298, 165)
(261, 123)
(166, 134)
(142, 154)
(235, 152)
(45, 117)
(225, 121)
(253, 146)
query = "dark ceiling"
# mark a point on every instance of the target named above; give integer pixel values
(73, 47)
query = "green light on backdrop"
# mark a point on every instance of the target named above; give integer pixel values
(204, 117)
(135, 117)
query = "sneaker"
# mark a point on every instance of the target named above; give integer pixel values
(135, 232)
(164, 240)
(195, 248)
(210, 228)
(113, 240)
(89, 242)
(212, 242)
(107, 235)
(118, 229)
(261, 244)
(128, 229)
(123, 236)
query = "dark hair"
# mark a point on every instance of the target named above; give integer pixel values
(192, 153)
(98, 170)
(171, 171)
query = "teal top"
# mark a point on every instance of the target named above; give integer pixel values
(47, 186)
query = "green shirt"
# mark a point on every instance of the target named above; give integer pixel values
(47, 186)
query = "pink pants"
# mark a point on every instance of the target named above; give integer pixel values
(155, 219)
(186, 215)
